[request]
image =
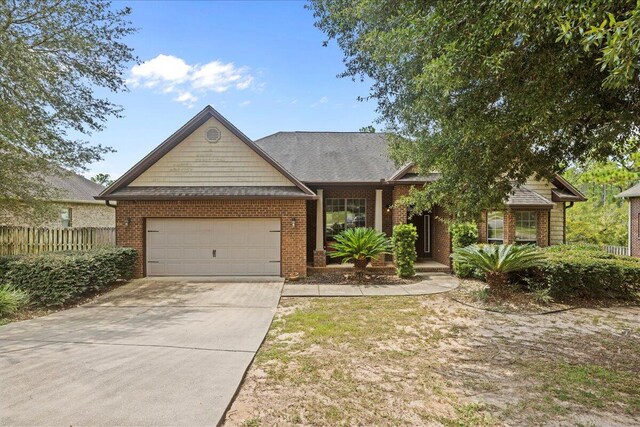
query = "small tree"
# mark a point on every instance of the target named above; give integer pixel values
(359, 245)
(404, 249)
(496, 261)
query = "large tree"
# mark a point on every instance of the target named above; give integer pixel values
(492, 92)
(54, 55)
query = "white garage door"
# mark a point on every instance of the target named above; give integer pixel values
(213, 247)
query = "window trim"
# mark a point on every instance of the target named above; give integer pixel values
(345, 199)
(495, 240)
(535, 223)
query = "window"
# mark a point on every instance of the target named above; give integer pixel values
(65, 217)
(495, 227)
(526, 225)
(344, 213)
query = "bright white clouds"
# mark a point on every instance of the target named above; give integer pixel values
(170, 74)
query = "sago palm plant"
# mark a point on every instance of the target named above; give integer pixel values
(497, 261)
(359, 245)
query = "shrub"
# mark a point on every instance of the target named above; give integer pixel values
(57, 278)
(404, 249)
(359, 245)
(463, 234)
(496, 261)
(586, 272)
(12, 300)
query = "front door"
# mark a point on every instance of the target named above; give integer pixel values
(423, 226)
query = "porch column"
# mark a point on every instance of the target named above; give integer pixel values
(378, 217)
(319, 254)
(380, 261)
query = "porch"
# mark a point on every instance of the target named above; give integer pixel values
(369, 205)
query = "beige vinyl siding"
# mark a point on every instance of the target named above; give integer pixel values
(556, 234)
(197, 162)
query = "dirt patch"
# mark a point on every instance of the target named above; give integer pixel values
(349, 278)
(429, 361)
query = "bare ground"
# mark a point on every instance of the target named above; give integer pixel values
(430, 360)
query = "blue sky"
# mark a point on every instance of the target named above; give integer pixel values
(261, 64)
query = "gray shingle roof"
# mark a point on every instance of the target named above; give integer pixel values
(527, 198)
(177, 192)
(331, 156)
(632, 192)
(73, 187)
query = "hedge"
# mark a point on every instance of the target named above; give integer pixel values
(404, 249)
(586, 271)
(57, 278)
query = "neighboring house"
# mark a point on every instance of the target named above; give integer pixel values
(209, 201)
(633, 197)
(75, 204)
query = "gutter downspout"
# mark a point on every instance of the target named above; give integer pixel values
(106, 202)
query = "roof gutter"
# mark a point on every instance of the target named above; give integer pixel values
(108, 203)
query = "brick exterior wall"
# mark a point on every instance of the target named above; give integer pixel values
(634, 231)
(440, 238)
(542, 226)
(293, 238)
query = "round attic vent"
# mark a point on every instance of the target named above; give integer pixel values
(213, 135)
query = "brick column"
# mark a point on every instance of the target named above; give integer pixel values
(482, 228)
(542, 229)
(509, 227)
(319, 253)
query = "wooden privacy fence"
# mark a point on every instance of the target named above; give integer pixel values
(616, 250)
(31, 240)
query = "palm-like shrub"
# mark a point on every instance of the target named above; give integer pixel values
(359, 245)
(497, 261)
(12, 300)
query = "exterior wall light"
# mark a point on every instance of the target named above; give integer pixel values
(127, 221)
(293, 223)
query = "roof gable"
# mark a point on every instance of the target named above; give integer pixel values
(188, 159)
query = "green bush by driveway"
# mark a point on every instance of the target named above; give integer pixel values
(53, 279)
(585, 271)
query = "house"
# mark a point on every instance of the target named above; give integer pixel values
(209, 201)
(633, 197)
(74, 204)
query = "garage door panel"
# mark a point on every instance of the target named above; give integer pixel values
(183, 247)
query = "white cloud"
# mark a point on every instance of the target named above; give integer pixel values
(186, 98)
(161, 69)
(244, 103)
(172, 75)
(320, 101)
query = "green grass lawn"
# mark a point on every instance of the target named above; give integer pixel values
(431, 361)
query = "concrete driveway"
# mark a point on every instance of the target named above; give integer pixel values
(153, 352)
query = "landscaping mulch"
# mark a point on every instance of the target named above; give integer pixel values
(349, 278)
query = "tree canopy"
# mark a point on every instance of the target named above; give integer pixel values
(54, 55)
(491, 93)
